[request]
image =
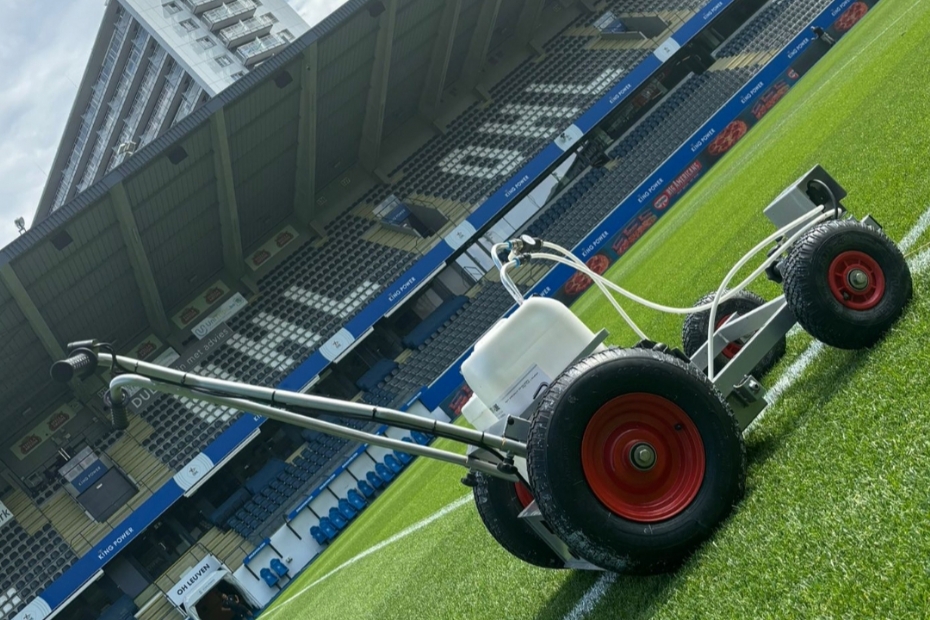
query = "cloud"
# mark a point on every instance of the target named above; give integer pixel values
(43, 54)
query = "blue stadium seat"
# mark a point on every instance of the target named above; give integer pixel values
(346, 509)
(374, 480)
(336, 517)
(383, 472)
(279, 567)
(403, 457)
(391, 461)
(356, 500)
(329, 530)
(419, 437)
(317, 533)
(269, 577)
(366, 489)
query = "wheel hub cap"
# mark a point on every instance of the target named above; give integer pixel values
(643, 457)
(856, 280)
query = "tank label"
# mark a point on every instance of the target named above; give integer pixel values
(520, 395)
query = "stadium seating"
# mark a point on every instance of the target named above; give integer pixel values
(346, 509)
(328, 528)
(269, 577)
(365, 487)
(356, 500)
(773, 27)
(337, 519)
(279, 567)
(30, 562)
(233, 503)
(319, 286)
(393, 464)
(440, 317)
(383, 472)
(318, 535)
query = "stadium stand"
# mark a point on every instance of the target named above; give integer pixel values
(302, 298)
(772, 28)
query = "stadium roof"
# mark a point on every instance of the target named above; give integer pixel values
(113, 262)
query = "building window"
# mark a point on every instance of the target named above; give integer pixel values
(189, 25)
(223, 61)
(206, 42)
(272, 17)
(171, 7)
(286, 35)
(237, 75)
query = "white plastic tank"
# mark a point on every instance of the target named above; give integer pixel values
(518, 355)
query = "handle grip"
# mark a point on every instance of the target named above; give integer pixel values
(82, 364)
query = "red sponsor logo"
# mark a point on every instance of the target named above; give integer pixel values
(460, 399)
(189, 314)
(58, 420)
(260, 257)
(678, 185)
(145, 349)
(793, 74)
(213, 294)
(770, 98)
(283, 239)
(633, 231)
(29, 443)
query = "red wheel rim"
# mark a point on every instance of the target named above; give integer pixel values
(856, 280)
(645, 495)
(733, 348)
(523, 494)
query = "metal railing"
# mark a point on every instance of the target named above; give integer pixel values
(260, 46)
(120, 32)
(245, 28)
(229, 11)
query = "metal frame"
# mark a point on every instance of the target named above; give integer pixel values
(501, 450)
(300, 409)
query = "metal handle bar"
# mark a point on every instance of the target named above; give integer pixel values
(265, 401)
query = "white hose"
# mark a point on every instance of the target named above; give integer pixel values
(565, 257)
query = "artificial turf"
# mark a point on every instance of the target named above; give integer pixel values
(836, 519)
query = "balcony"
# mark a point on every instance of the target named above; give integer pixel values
(260, 49)
(199, 6)
(228, 14)
(242, 32)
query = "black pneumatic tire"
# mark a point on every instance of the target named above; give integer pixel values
(572, 508)
(812, 273)
(694, 329)
(498, 506)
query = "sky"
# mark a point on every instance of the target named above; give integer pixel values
(44, 46)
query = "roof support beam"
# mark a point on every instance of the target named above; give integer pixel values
(435, 80)
(373, 126)
(528, 20)
(226, 194)
(31, 311)
(145, 278)
(480, 43)
(37, 322)
(305, 181)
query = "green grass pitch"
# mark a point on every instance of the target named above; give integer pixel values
(836, 519)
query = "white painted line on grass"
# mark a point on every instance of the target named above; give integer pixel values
(419, 525)
(591, 598)
(923, 223)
